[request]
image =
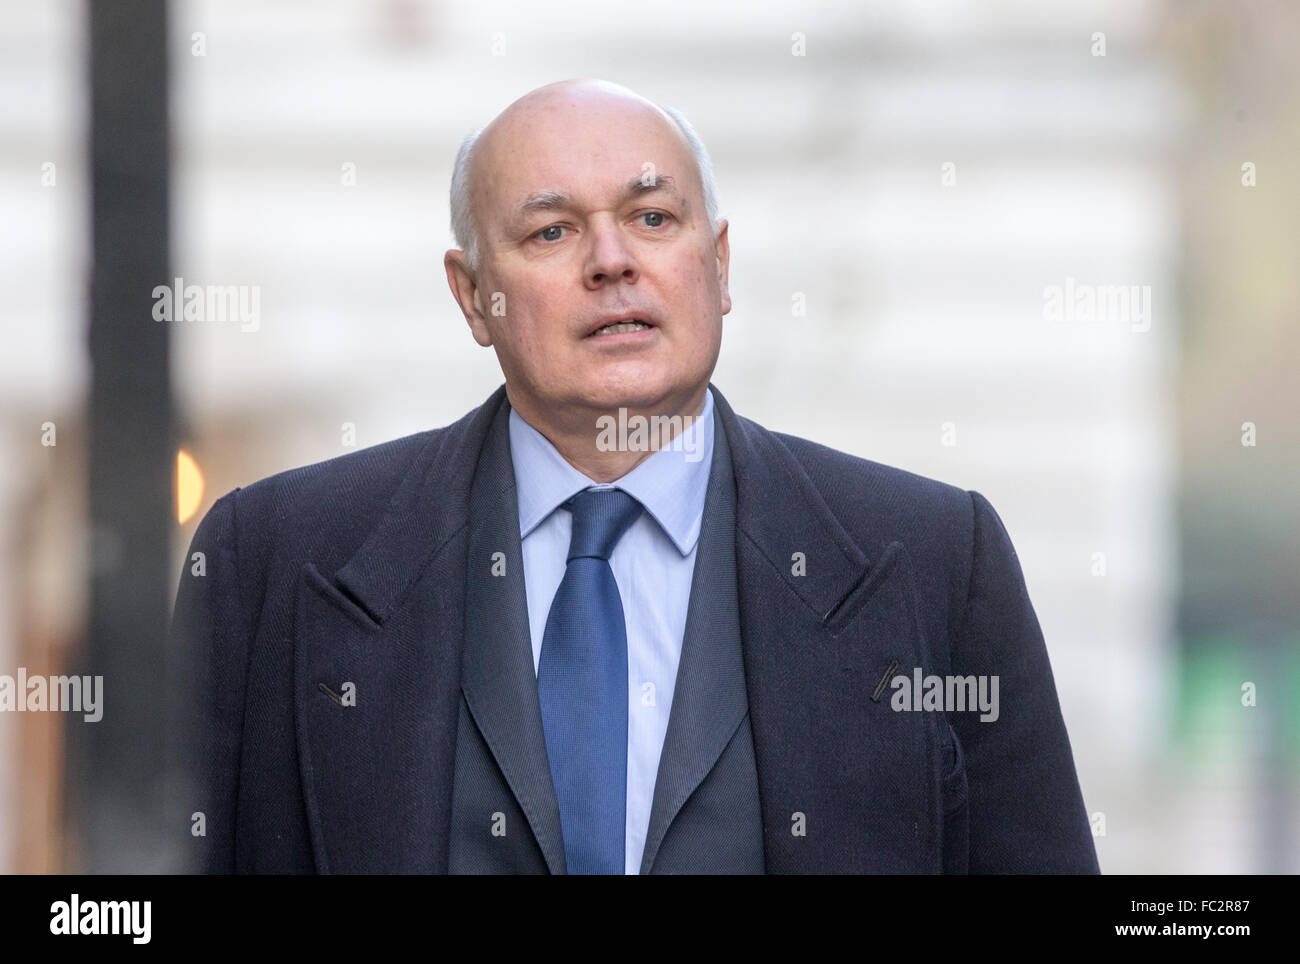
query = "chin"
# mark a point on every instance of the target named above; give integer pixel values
(630, 389)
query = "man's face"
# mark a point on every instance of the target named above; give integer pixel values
(590, 209)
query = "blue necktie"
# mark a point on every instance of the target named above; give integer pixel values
(582, 685)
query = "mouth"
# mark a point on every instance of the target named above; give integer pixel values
(621, 325)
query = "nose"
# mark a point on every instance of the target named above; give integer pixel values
(609, 259)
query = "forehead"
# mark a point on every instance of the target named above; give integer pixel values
(589, 151)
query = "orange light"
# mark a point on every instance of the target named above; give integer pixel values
(189, 486)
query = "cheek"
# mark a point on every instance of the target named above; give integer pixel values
(705, 270)
(534, 315)
(701, 286)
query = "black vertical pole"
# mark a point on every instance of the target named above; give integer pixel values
(117, 766)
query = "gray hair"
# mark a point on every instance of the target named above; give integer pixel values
(462, 219)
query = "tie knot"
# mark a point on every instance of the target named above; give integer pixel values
(600, 517)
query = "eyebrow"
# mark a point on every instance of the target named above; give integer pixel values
(558, 200)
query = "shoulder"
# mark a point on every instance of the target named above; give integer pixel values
(360, 482)
(878, 506)
(865, 494)
(323, 512)
(948, 532)
(298, 511)
(954, 540)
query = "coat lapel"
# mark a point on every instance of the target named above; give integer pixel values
(377, 649)
(845, 783)
(709, 696)
(499, 681)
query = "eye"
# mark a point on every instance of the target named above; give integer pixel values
(546, 234)
(653, 214)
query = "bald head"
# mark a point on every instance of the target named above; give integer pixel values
(591, 260)
(556, 106)
(541, 121)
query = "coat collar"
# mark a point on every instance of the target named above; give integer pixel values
(774, 496)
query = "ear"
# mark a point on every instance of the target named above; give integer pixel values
(464, 288)
(722, 250)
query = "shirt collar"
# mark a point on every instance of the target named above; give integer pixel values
(670, 484)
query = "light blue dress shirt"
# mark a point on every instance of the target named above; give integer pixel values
(653, 565)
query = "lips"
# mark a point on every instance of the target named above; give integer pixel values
(619, 325)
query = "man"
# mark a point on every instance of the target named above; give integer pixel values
(547, 639)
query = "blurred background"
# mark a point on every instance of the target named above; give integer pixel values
(1043, 251)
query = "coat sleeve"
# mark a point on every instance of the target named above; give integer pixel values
(210, 637)
(1026, 810)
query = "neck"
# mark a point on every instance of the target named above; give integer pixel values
(607, 444)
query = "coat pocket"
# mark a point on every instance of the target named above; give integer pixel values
(956, 809)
